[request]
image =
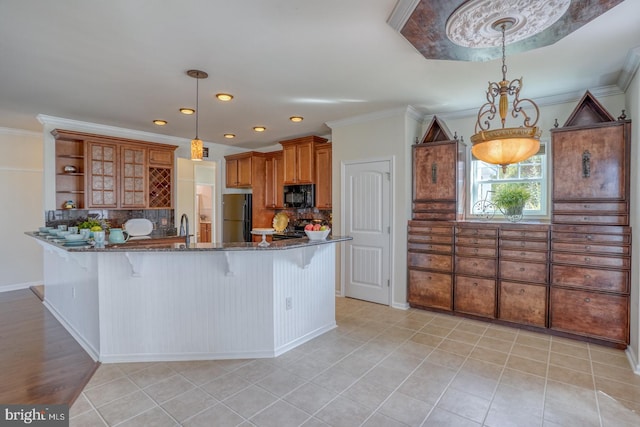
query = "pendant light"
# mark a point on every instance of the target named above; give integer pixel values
(196, 143)
(505, 146)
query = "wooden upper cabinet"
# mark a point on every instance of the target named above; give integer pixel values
(103, 175)
(323, 176)
(118, 173)
(274, 179)
(298, 156)
(238, 170)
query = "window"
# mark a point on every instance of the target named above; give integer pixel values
(486, 179)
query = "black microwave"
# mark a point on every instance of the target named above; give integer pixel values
(299, 196)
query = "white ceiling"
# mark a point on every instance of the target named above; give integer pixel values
(123, 63)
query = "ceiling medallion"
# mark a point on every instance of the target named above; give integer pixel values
(470, 25)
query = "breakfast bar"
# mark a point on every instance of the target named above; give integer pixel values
(154, 302)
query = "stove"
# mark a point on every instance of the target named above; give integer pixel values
(288, 235)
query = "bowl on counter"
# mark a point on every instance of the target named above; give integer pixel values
(74, 237)
(63, 233)
(317, 235)
(45, 229)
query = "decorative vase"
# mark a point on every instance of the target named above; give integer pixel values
(514, 213)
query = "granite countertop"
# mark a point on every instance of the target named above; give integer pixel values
(152, 245)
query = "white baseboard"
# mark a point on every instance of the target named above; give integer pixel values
(633, 360)
(400, 305)
(18, 286)
(84, 344)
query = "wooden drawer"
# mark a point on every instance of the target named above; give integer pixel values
(475, 296)
(475, 241)
(416, 246)
(592, 278)
(431, 238)
(539, 256)
(586, 237)
(590, 229)
(523, 303)
(429, 289)
(476, 266)
(438, 216)
(160, 157)
(430, 227)
(591, 314)
(523, 271)
(524, 234)
(431, 261)
(591, 219)
(591, 207)
(475, 251)
(590, 248)
(524, 244)
(434, 206)
(477, 232)
(590, 260)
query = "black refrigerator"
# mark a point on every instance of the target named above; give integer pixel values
(236, 218)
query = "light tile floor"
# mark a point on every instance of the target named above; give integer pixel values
(380, 367)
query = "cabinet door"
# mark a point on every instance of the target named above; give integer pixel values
(305, 157)
(244, 172)
(231, 168)
(133, 191)
(429, 289)
(522, 303)
(323, 177)
(475, 296)
(589, 164)
(434, 168)
(290, 164)
(103, 169)
(269, 183)
(278, 172)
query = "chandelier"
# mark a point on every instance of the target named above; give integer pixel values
(504, 146)
(196, 143)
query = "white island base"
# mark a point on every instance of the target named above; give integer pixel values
(191, 304)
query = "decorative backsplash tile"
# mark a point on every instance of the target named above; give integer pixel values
(162, 219)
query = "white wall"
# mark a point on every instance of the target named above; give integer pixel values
(633, 112)
(22, 208)
(379, 136)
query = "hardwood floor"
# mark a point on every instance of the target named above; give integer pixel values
(41, 363)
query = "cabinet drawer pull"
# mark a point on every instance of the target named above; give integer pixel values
(587, 248)
(587, 300)
(587, 259)
(475, 283)
(429, 277)
(587, 276)
(586, 206)
(523, 253)
(522, 268)
(522, 244)
(521, 291)
(475, 241)
(475, 250)
(523, 233)
(586, 218)
(589, 237)
(475, 264)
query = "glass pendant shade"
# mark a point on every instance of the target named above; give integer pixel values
(196, 149)
(506, 146)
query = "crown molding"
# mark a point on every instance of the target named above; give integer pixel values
(401, 13)
(409, 111)
(19, 132)
(629, 69)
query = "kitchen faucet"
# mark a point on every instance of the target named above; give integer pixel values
(184, 228)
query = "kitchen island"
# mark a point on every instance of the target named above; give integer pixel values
(127, 303)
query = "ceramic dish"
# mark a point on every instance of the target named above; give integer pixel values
(75, 242)
(280, 222)
(317, 235)
(138, 227)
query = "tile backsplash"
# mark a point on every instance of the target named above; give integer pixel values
(162, 219)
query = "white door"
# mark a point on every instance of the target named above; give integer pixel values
(367, 219)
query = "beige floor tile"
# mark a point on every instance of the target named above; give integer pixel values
(532, 353)
(615, 412)
(330, 354)
(314, 422)
(502, 333)
(487, 355)
(531, 340)
(343, 412)
(188, 404)
(225, 386)
(474, 327)
(151, 374)
(410, 324)
(524, 401)
(463, 336)
(401, 362)
(622, 374)
(482, 368)
(441, 418)
(255, 370)
(104, 374)
(285, 359)
(464, 404)
(335, 379)
(168, 389)
(110, 391)
(426, 339)
(223, 416)
(405, 409)
(355, 364)
(307, 367)
(367, 393)
(414, 349)
(386, 377)
(564, 402)
(575, 363)
(280, 414)
(373, 351)
(395, 335)
(456, 347)
(527, 365)
(87, 419)
(522, 380)
(379, 420)
(126, 407)
(569, 349)
(250, 401)
(473, 384)
(569, 376)
(427, 390)
(131, 367)
(203, 371)
(446, 359)
(511, 417)
(154, 417)
(618, 390)
(435, 329)
(495, 344)
(281, 382)
(445, 321)
(616, 358)
(310, 397)
(80, 406)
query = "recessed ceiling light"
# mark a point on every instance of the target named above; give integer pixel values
(160, 122)
(296, 119)
(229, 135)
(224, 96)
(259, 128)
(187, 111)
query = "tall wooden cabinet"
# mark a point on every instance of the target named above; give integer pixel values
(298, 155)
(239, 170)
(113, 173)
(590, 240)
(323, 176)
(274, 180)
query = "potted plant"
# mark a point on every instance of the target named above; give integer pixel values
(510, 199)
(93, 224)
